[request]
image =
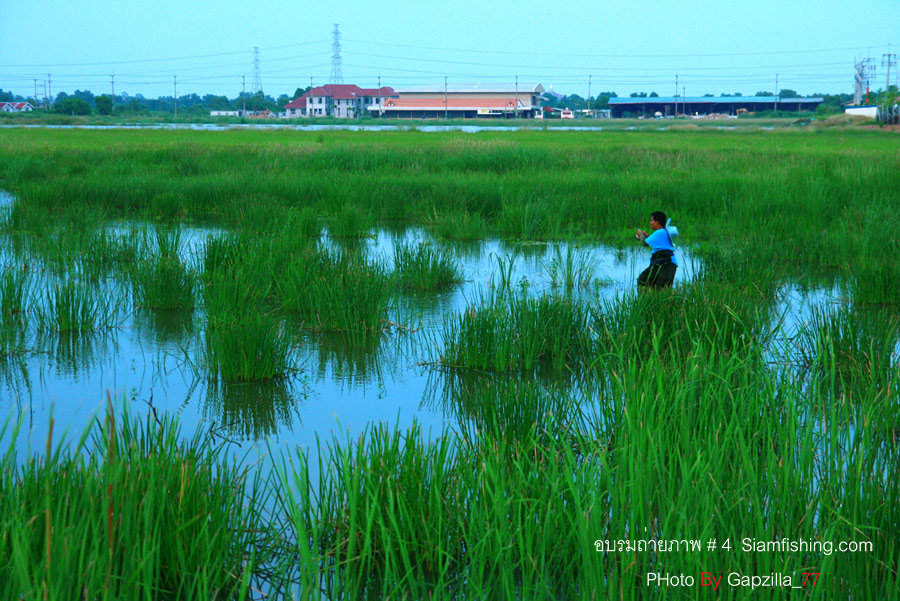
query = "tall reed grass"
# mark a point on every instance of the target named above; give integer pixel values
(517, 332)
(131, 510)
(425, 268)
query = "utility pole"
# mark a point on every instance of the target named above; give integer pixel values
(380, 112)
(517, 96)
(49, 93)
(112, 82)
(776, 92)
(683, 100)
(676, 95)
(445, 97)
(589, 96)
(175, 85)
(243, 96)
(888, 60)
(35, 93)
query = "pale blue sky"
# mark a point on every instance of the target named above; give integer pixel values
(713, 47)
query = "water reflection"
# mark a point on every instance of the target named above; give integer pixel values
(252, 410)
(75, 353)
(165, 329)
(512, 405)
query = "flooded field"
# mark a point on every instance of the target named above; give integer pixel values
(143, 357)
(419, 362)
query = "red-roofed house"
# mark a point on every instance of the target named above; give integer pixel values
(15, 107)
(342, 101)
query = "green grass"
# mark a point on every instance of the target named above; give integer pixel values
(163, 282)
(425, 268)
(684, 413)
(334, 291)
(570, 270)
(131, 510)
(516, 332)
(73, 306)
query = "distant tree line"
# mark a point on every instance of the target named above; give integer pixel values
(84, 102)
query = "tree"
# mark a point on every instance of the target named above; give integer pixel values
(638, 94)
(72, 106)
(602, 101)
(764, 94)
(257, 102)
(85, 95)
(654, 95)
(786, 93)
(707, 95)
(104, 104)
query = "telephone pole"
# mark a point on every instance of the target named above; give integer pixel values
(888, 60)
(243, 96)
(175, 85)
(35, 92)
(112, 82)
(445, 97)
(589, 97)
(776, 92)
(517, 96)
(676, 95)
(49, 93)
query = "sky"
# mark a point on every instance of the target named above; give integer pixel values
(207, 47)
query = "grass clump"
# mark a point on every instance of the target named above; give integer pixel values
(505, 332)
(244, 341)
(350, 222)
(569, 270)
(851, 344)
(132, 511)
(73, 306)
(425, 268)
(334, 291)
(163, 282)
(456, 225)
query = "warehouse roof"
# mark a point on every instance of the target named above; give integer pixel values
(711, 100)
(476, 88)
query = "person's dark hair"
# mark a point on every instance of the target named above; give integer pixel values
(659, 217)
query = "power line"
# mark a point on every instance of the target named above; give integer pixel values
(581, 54)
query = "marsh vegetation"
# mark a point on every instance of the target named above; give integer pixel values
(465, 305)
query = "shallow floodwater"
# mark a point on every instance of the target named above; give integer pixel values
(145, 360)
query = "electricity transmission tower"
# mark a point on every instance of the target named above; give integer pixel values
(336, 76)
(864, 72)
(257, 79)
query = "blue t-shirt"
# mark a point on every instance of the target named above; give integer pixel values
(660, 240)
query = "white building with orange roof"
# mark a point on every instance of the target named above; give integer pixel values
(463, 102)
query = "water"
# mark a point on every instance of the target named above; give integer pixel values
(145, 361)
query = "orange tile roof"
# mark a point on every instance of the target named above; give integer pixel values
(455, 103)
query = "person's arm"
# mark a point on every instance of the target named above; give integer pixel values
(642, 236)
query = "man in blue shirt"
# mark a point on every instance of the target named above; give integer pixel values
(661, 273)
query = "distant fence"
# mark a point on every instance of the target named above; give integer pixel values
(889, 115)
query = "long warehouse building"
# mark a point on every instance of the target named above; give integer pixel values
(669, 106)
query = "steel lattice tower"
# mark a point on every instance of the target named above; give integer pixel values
(257, 79)
(336, 76)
